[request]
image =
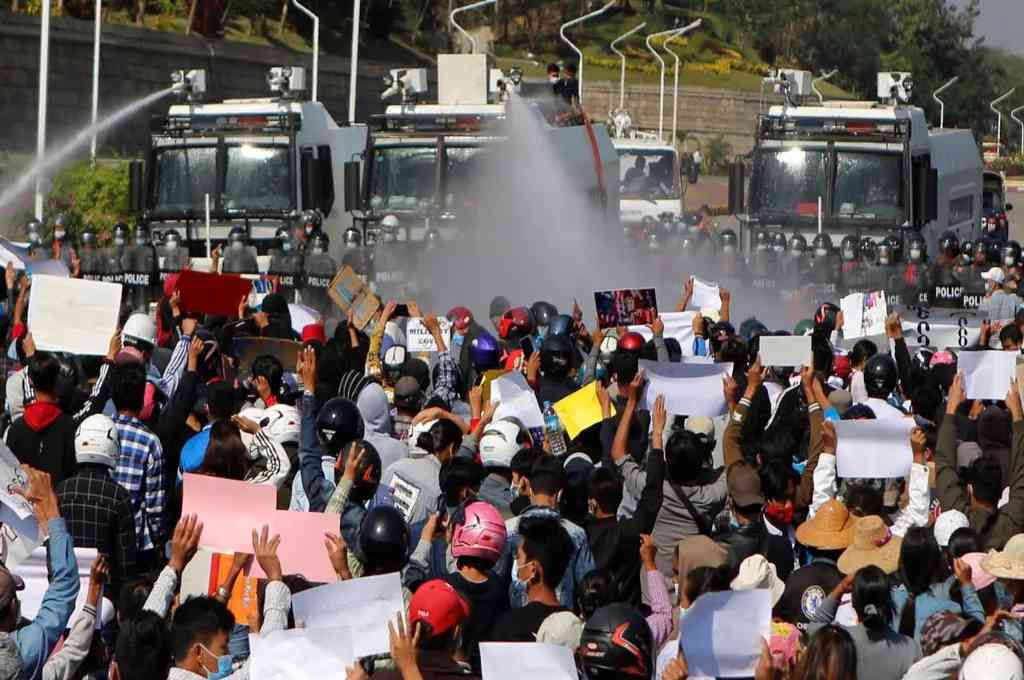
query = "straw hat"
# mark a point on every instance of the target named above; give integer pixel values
(1008, 562)
(757, 572)
(872, 543)
(830, 529)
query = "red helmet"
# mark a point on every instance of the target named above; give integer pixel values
(515, 323)
(481, 535)
(632, 342)
(460, 317)
(841, 367)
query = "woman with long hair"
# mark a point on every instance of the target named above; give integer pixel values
(228, 456)
(831, 655)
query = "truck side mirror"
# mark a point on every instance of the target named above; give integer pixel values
(926, 194)
(353, 195)
(310, 180)
(136, 190)
(736, 188)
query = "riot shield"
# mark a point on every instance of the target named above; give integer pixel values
(140, 266)
(240, 261)
(91, 264)
(172, 262)
(319, 269)
(112, 266)
(286, 267)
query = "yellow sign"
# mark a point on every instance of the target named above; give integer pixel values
(580, 410)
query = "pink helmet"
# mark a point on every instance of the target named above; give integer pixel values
(482, 535)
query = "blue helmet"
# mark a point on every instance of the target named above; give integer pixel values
(485, 352)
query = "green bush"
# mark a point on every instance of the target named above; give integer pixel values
(96, 197)
(1011, 166)
(716, 155)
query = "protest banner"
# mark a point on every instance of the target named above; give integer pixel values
(35, 571)
(789, 350)
(693, 389)
(706, 295)
(987, 373)
(215, 294)
(419, 339)
(625, 307)
(518, 660)
(722, 632)
(864, 314)
(73, 315)
(874, 448)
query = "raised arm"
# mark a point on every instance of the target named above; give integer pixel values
(1014, 509)
(653, 491)
(687, 294)
(950, 493)
(817, 403)
(731, 439)
(916, 512)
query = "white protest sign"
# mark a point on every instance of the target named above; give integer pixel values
(301, 654)
(987, 373)
(692, 389)
(517, 660)
(852, 307)
(34, 570)
(706, 295)
(791, 350)
(419, 339)
(363, 606)
(13, 477)
(864, 314)
(516, 400)
(878, 449)
(73, 315)
(678, 325)
(721, 633)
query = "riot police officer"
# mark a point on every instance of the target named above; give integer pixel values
(285, 263)
(728, 258)
(391, 263)
(763, 261)
(238, 257)
(778, 242)
(854, 269)
(947, 291)
(60, 247)
(319, 269)
(173, 257)
(886, 270)
(113, 265)
(915, 279)
(34, 236)
(90, 264)
(794, 265)
(140, 264)
(311, 222)
(823, 270)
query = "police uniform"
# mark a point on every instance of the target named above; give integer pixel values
(172, 261)
(91, 264)
(113, 267)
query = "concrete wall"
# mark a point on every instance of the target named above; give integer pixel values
(135, 63)
(703, 112)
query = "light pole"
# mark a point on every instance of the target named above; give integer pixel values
(460, 29)
(622, 71)
(579, 54)
(675, 86)
(44, 69)
(316, 43)
(1013, 114)
(95, 76)
(999, 121)
(353, 81)
(661, 91)
(942, 104)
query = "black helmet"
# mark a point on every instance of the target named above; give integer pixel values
(383, 540)
(1011, 253)
(868, 249)
(556, 356)
(236, 235)
(897, 247)
(728, 240)
(543, 313)
(338, 423)
(779, 242)
(826, 315)
(562, 325)
(88, 238)
(61, 221)
(849, 249)
(822, 245)
(949, 245)
(320, 240)
(885, 252)
(880, 376)
(797, 245)
(311, 221)
(967, 251)
(283, 237)
(917, 249)
(616, 642)
(172, 239)
(34, 230)
(120, 234)
(762, 241)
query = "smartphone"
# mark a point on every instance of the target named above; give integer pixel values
(526, 344)
(400, 311)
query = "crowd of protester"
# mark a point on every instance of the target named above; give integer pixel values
(498, 536)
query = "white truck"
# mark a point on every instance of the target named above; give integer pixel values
(875, 169)
(421, 158)
(650, 186)
(250, 163)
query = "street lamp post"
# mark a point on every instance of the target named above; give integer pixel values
(44, 69)
(95, 76)
(999, 120)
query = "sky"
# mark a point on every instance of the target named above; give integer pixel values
(1002, 23)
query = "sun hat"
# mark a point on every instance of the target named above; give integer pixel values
(980, 577)
(831, 528)
(947, 523)
(990, 661)
(561, 628)
(757, 572)
(1008, 562)
(873, 543)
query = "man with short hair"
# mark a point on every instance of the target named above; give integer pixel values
(140, 467)
(998, 304)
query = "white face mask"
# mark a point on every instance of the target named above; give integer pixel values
(286, 246)
(237, 246)
(821, 252)
(171, 246)
(552, 79)
(59, 234)
(318, 250)
(915, 254)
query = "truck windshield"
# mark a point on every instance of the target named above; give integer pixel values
(184, 175)
(992, 195)
(648, 174)
(404, 177)
(257, 178)
(465, 165)
(791, 181)
(869, 185)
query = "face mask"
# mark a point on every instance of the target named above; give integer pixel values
(552, 79)
(820, 252)
(237, 246)
(119, 242)
(779, 513)
(309, 229)
(915, 254)
(728, 249)
(286, 246)
(1009, 262)
(883, 260)
(171, 246)
(318, 250)
(59, 234)
(223, 665)
(520, 583)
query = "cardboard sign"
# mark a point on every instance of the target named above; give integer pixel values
(348, 291)
(626, 307)
(230, 510)
(247, 349)
(419, 339)
(207, 570)
(792, 351)
(216, 294)
(72, 315)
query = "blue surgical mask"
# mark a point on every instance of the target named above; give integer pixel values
(520, 584)
(224, 668)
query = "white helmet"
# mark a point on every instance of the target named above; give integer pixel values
(141, 328)
(96, 441)
(280, 422)
(499, 444)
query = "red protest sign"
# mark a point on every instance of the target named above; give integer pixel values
(217, 294)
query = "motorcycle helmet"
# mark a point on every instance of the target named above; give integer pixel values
(631, 342)
(383, 540)
(849, 249)
(516, 324)
(484, 352)
(481, 535)
(616, 643)
(880, 376)
(337, 424)
(556, 356)
(543, 313)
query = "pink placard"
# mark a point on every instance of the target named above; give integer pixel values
(230, 510)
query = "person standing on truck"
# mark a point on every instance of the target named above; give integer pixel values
(570, 85)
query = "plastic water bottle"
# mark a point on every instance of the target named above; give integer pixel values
(553, 430)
